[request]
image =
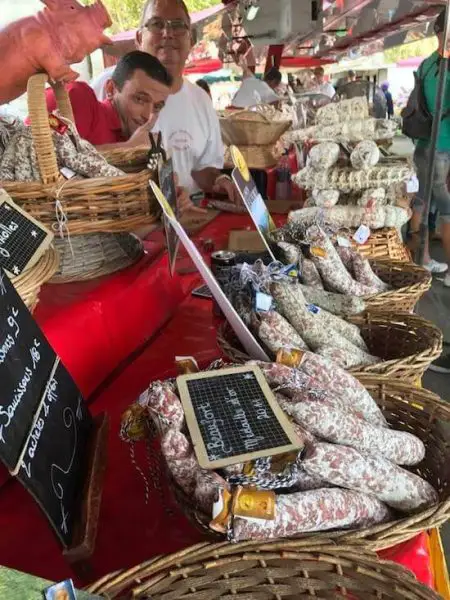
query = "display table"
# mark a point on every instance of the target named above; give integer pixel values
(95, 327)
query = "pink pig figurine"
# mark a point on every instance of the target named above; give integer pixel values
(53, 39)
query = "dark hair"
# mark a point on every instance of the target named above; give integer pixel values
(351, 73)
(131, 62)
(204, 85)
(273, 74)
(147, 5)
(439, 24)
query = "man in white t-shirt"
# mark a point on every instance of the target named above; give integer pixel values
(188, 123)
(255, 91)
(321, 86)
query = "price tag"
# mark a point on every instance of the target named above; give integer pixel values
(362, 234)
(343, 242)
(263, 302)
(315, 310)
(412, 185)
(67, 173)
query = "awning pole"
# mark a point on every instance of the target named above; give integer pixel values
(437, 117)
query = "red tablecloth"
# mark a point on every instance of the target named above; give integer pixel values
(94, 327)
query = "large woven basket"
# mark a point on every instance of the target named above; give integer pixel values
(94, 255)
(130, 160)
(28, 283)
(408, 281)
(249, 128)
(112, 204)
(265, 571)
(383, 243)
(407, 343)
(407, 408)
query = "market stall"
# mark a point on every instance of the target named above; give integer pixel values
(296, 436)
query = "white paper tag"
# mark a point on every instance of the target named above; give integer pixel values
(412, 185)
(343, 242)
(263, 302)
(67, 173)
(362, 234)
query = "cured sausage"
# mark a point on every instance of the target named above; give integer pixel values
(373, 475)
(317, 510)
(334, 425)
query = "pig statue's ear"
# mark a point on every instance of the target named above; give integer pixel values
(51, 4)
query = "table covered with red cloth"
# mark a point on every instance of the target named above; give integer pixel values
(94, 327)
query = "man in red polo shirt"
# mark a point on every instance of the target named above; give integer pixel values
(136, 93)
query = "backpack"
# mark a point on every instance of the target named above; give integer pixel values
(417, 120)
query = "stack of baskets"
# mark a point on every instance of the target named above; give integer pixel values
(255, 135)
(269, 571)
(96, 206)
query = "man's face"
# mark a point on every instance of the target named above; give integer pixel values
(319, 76)
(140, 100)
(170, 44)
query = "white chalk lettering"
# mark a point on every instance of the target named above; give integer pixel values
(34, 438)
(6, 347)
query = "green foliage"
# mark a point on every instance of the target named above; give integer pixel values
(125, 14)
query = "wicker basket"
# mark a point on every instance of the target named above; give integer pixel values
(407, 343)
(130, 160)
(265, 571)
(28, 283)
(409, 283)
(407, 408)
(112, 204)
(248, 128)
(94, 255)
(383, 243)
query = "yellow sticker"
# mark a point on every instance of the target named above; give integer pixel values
(239, 163)
(162, 200)
(319, 252)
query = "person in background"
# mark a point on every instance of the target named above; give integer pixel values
(351, 76)
(136, 92)
(429, 74)
(389, 100)
(204, 85)
(320, 85)
(253, 90)
(188, 123)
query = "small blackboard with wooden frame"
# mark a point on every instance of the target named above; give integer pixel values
(48, 439)
(233, 417)
(23, 240)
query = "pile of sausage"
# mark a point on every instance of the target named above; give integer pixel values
(309, 312)
(349, 474)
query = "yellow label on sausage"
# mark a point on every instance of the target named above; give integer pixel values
(257, 504)
(290, 358)
(319, 252)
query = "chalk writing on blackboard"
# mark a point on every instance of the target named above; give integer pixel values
(233, 417)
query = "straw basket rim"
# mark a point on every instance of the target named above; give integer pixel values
(408, 368)
(29, 282)
(200, 567)
(416, 405)
(415, 282)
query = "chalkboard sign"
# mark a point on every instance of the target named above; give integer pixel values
(44, 424)
(233, 417)
(55, 455)
(168, 188)
(26, 362)
(23, 240)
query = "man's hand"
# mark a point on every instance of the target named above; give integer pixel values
(141, 136)
(184, 203)
(225, 185)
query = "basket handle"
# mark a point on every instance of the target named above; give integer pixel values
(40, 126)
